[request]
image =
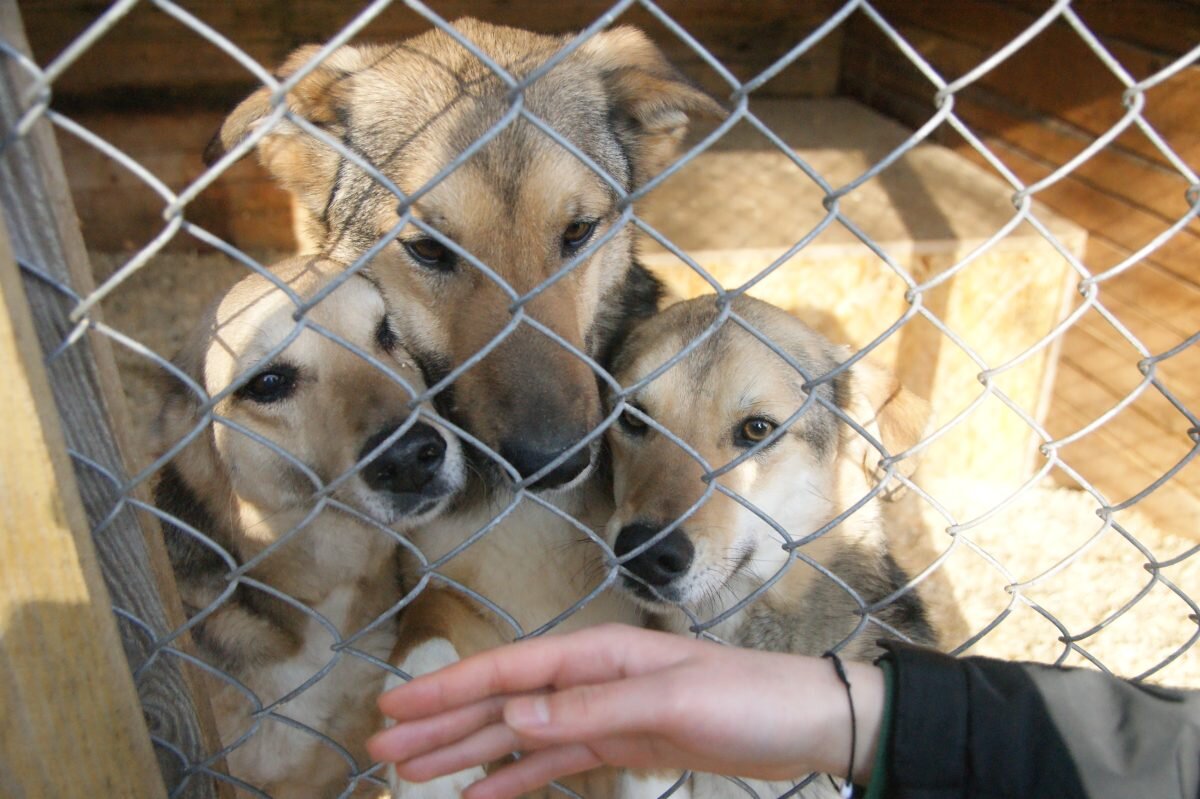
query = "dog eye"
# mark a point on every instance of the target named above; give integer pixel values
(272, 385)
(430, 252)
(632, 423)
(755, 429)
(577, 234)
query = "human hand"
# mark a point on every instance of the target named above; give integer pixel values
(632, 698)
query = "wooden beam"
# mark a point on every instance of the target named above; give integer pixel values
(72, 721)
(83, 381)
(1161, 26)
(151, 61)
(1078, 89)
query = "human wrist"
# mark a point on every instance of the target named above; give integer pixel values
(819, 719)
(832, 720)
(867, 681)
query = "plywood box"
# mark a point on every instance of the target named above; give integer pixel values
(738, 208)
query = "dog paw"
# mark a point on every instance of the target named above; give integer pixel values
(647, 784)
(426, 657)
(449, 787)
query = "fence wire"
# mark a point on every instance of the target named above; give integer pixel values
(193, 767)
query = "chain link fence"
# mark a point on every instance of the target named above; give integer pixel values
(191, 768)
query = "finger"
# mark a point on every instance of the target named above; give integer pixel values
(591, 655)
(484, 746)
(410, 739)
(592, 712)
(533, 771)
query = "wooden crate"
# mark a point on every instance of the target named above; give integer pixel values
(1036, 111)
(740, 206)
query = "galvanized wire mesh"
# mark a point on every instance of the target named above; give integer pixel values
(38, 105)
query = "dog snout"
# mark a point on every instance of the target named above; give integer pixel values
(528, 458)
(409, 464)
(662, 563)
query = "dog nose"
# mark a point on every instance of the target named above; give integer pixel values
(664, 562)
(529, 459)
(409, 464)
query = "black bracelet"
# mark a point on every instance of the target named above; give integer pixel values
(848, 787)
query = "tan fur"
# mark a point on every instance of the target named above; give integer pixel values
(409, 109)
(533, 566)
(702, 401)
(894, 415)
(247, 498)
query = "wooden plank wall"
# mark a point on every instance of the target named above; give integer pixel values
(158, 90)
(1035, 112)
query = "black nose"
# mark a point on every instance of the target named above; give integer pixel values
(529, 459)
(409, 464)
(664, 562)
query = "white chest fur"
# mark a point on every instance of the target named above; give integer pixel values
(534, 565)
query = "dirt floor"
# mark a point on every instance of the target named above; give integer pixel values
(1045, 565)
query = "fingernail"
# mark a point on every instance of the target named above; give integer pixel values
(527, 712)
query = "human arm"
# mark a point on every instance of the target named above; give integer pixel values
(956, 726)
(633, 698)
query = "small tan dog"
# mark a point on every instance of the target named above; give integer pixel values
(331, 572)
(731, 398)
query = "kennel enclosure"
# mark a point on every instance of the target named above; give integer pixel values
(997, 199)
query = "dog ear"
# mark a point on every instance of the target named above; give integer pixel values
(896, 416)
(648, 93)
(304, 165)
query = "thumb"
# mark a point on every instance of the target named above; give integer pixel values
(588, 712)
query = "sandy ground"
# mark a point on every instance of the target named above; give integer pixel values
(1043, 559)
(1047, 560)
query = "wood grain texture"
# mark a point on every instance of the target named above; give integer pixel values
(1169, 27)
(149, 59)
(158, 91)
(1055, 75)
(743, 204)
(45, 237)
(1036, 112)
(71, 721)
(244, 206)
(1131, 451)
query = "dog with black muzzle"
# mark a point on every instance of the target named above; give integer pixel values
(547, 225)
(295, 479)
(560, 288)
(745, 517)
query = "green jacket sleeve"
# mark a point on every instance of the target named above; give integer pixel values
(977, 727)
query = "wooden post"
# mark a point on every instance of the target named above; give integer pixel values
(72, 721)
(84, 389)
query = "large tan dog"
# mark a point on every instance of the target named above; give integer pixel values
(731, 398)
(523, 205)
(331, 572)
